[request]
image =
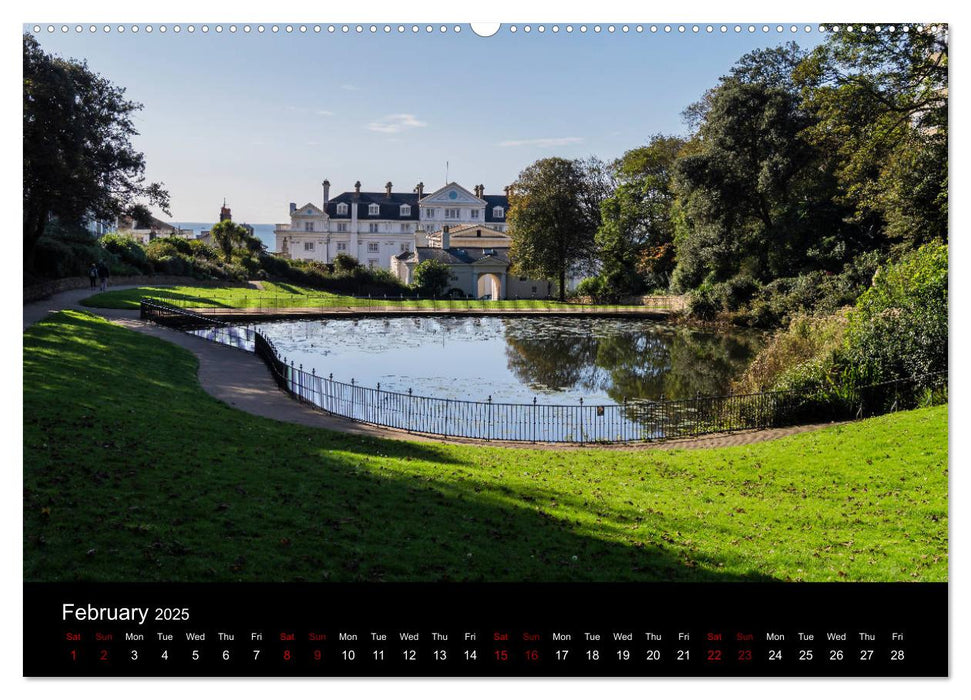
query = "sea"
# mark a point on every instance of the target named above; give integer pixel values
(263, 231)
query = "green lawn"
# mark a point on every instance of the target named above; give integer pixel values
(275, 295)
(133, 473)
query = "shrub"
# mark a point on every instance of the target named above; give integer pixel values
(127, 251)
(808, 341)
(432, 277)
(345, 263)
(199, 249)
(899, 327)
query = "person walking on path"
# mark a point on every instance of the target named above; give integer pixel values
(103, 273)
(93, 275)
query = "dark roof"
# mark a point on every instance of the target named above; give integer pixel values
(492, 201)
(390, 207)
(460, 256)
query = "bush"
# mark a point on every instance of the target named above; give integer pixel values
(432, 277)
(203, 250)
(345, 263)
(899, 327)
(127, 251)
(808, 341)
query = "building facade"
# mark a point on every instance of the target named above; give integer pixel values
(478, 261)
(375, 227)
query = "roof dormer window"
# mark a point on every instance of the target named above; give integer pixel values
(373, 210)
(498, 212)
(405, 210)
(342, 208)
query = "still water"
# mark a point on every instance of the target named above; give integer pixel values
(513, 360)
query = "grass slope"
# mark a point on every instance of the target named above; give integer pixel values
(133, 473)
(276, 295)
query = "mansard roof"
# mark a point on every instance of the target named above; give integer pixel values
(390, 207)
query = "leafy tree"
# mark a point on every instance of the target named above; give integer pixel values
(345, 263)
(635, 238)
(432, 277)
(228, 236)
(78, 158)
(881, 102)
(757, 196)
(553, 217)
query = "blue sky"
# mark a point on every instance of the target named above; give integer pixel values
(261, 119)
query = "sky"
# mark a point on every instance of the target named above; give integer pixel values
(262, 119)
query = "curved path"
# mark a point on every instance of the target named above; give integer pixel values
(240, 379)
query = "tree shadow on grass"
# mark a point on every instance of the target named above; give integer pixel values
(133, 473)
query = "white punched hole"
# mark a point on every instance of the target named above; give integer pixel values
(485, 29)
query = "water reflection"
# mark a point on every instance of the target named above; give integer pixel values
(626, 359)
(558, 360)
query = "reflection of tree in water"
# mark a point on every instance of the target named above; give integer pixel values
(632, 359)
(553, 358)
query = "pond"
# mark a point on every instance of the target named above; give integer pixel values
(514, 360)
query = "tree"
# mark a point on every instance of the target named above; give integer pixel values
(229, 236)
(79, 162)
(554, 212)
(757, 196)
(881, 103)
(432, 277)
(635, 238)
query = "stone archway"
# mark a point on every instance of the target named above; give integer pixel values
(488, 284)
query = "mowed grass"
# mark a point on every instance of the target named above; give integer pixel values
(133, 473)
(278, 295)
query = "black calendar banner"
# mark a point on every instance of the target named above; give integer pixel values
(541, 630)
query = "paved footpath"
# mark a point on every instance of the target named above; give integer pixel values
(241, 380)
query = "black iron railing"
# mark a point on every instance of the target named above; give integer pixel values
(632, 421)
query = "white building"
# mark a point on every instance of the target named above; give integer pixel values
(478, 261)
(374, 227)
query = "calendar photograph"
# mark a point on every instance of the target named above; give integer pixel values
(469, 305)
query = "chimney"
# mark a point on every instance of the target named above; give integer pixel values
(420, 189)
(293, 207)
(387, 189)
(326, 185)
(507, 190)
(357, 189)
(445, 239)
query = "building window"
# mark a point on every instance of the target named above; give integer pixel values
(373, 210)
(341, 246)
(406, 247)
(372, 263)
(475, 213)
(372, 228)
(308, 245)
(342, 208)
(372, 247)
(310, 212)
(430, 213)
(498, 212)
(308, 225)
(451, 213)
(523, 279)
(342, 228)
(406, 228)
(405, 210)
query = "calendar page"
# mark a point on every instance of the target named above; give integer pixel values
(545, 349)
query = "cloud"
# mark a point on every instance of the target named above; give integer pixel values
(395, 123)
(324, 113)
(352, 88)
(544, 143)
